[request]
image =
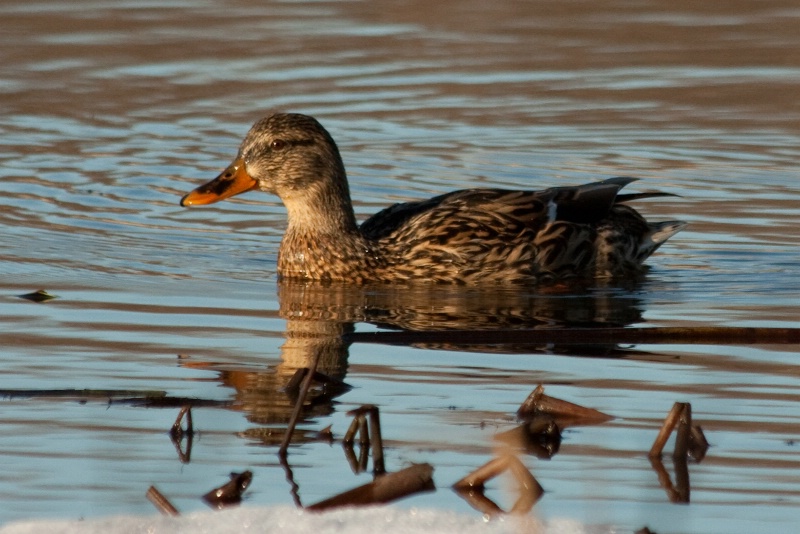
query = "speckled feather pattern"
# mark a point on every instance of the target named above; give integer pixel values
(468, 237)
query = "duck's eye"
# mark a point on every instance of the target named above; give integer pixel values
(278, 144)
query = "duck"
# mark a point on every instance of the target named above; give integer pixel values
(470, 236)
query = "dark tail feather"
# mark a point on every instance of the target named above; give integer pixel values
(587, 203)
(657, 236)
(627, 197)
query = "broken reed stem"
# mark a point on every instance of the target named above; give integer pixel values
(358, 426)
(177, 431)
(684, 430)
(538, 403)
(378, 467)
(698, 444)
(298, 407)
(363, 431)
(161, 502)
(386, 488)
(350, 435)
(370, 432)
(666, 429)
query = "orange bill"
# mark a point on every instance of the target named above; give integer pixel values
(232, 181)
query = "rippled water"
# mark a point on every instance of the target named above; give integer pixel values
(112, 110)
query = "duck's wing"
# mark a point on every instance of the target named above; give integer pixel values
(395, 216)
(497, 209)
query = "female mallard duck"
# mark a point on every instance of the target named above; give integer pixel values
(469, 236)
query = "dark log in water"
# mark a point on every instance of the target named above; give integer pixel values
(710, 335)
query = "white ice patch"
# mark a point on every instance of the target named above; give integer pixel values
(288, 520)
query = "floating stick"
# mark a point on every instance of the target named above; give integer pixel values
(161, 502)
(385, 488)
(709, 335)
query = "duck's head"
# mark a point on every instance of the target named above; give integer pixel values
(287, 154)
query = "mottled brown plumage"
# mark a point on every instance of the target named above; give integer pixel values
(469, 236)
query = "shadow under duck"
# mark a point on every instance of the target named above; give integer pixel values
(468, 236)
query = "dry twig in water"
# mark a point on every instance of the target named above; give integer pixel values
(384, 489)
(161, 502)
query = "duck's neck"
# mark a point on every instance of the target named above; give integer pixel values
(324, 213)
(322, 240)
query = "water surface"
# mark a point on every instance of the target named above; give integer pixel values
(111, 111)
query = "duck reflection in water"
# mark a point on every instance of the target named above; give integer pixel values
(321, 323)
